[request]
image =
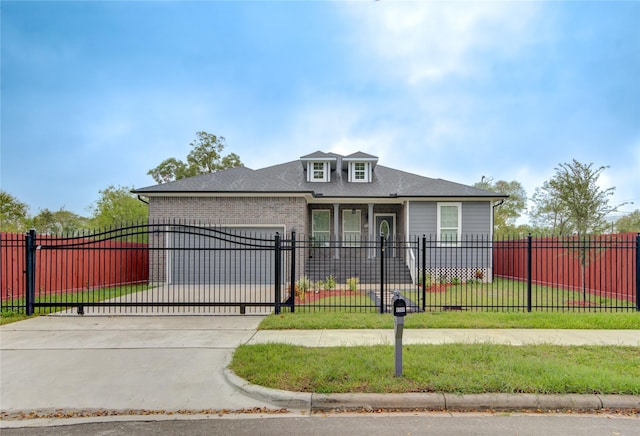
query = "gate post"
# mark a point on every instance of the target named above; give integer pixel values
(529, 272)
(381, 273)
(30, 271)
(277, 262)
(292, 297)
(424, 273)
(638, 272)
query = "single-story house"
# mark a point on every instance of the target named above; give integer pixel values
(328, 197)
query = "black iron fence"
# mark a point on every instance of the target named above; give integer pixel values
(165, 267)
(178, 267)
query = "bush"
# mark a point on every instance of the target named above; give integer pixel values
(352, 283)
(304, 284)
(427, 279)
(330, 283)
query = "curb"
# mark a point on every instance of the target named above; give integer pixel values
(277, 397)
(313, 402)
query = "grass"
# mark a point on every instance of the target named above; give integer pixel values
(92, 296)
(512, 294)
(480, 320)
(455, 368)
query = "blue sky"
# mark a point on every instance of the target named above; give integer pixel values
(97, 93)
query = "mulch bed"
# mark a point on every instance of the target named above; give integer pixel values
(311, 296)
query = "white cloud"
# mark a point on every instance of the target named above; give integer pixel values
(418, 41)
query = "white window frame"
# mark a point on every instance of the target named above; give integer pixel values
(351, 238)
(314, 233)
(441, 228)
(324, 172)
(353, 172)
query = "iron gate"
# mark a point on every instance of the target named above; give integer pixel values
(156, 268)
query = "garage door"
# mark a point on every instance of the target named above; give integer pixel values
(231, 255)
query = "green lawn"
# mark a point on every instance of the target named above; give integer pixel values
(511, 294)
(455, 368)
(494, 320)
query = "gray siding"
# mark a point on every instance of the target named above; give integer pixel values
(463, 260)
(423, 217)
(476, 218)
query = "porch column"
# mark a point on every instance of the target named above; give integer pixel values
(336, 228)
(372, 231)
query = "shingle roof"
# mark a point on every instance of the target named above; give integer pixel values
(290, 177)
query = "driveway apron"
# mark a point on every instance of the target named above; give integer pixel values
(122, 363)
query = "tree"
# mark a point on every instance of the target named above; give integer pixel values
(549, 212)
(577, 204)
(13, 213)
(629, 223)
(204, 158)
(512, 208)
(59, 222)
(573, 193)
(117, 206)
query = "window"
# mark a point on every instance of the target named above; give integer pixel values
(351, 227)
(359, 172)
(318, 172)
(320, 226)
(449, 223)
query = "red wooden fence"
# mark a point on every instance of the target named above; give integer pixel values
(603, 265)
(67, 268)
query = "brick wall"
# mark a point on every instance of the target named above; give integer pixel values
(288, 211)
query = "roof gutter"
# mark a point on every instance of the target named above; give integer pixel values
(142, 199)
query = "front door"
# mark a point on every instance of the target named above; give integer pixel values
(385, 226)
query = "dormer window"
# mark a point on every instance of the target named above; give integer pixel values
(359, 172)
(359, 167)
(318, 171)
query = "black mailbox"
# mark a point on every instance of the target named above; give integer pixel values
(399, 307)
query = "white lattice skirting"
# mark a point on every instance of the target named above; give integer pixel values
(453, 274)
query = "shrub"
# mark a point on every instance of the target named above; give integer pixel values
(304, 284)
(352, 283)
(330, 282)
(427, 279)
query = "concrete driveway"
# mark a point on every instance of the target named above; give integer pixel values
(122, 363)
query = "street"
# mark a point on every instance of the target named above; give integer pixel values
(357, 424)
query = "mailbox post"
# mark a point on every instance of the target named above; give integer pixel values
(399, 312)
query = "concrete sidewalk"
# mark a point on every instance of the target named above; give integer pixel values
(332, 338)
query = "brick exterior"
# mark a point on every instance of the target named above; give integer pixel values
(242, 211)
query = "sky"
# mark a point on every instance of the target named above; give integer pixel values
(96, 93)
